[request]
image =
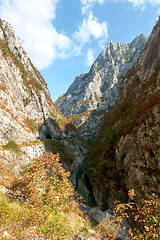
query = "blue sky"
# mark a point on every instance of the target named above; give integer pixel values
(64, 37)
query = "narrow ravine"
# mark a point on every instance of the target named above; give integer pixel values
(83, 187)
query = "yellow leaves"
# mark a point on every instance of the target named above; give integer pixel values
(51, 211)
(146, 228)
(146, 216)
(131, 194)
(48, 181)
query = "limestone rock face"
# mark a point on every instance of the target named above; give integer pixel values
(99, 88)
(16, 161)
(126, 153)
(25, 102)
(24, 98)
(27, 112)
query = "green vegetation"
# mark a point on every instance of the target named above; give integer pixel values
(48, 209)
(97, 68)
(83, 75)
(31, 124)
(58, 147)
(12, 146)
(75, 117)
(54, 213)
(29, 80)
(146, 180)
(156, 69)
(4, 48)
(144, 216)
(15, 217)
(124, 119)
(120, 77)
(137, 79)
(97, 98)
(26, 101)
(60, 119)
(127, 56)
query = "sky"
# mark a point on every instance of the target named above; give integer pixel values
(64, 37)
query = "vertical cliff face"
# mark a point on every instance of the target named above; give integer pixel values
(98, 89)
(25, 102)
(126, 153)
(27, 112)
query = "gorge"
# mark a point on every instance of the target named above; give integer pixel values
(107, 134)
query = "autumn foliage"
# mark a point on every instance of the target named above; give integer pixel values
(45, 184)
(132, 111)
(48, 207)
(144, 216)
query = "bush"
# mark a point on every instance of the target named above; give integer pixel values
(31, 124)
(144, 216)
(48, 209)
(56, 146)
(12, 145)
(54, 212)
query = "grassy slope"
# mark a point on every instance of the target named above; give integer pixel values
(41, 204)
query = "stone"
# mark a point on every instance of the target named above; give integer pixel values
(27, 113)
(128, 152)
(98, 89)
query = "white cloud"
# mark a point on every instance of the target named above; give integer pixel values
(87, 4)
(136, 3)
(32, 21)
(90, 27)
(153, 2)
(142, 3)
(90, 57)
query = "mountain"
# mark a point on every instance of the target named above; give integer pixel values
(25, 100)
(27, 113)
(126, 153)
(38, 147)
(36, 199)
(98, 89)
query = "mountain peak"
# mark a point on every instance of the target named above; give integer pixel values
(139, 39)
(8, 35)
(99, 88)
(126, 153)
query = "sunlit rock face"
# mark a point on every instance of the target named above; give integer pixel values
(27, 112)
(126, 153)
(24, 96)
(98, 89)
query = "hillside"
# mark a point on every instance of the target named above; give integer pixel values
(25, 99)
(92, 94)
(40, 148)
(126, 153)
(29, 120)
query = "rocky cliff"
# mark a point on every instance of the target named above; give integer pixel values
(27, 112)
(25, 100)
(126, 153)
(98, 89)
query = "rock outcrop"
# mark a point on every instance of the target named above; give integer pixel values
(126, 153)
(27, 112)
(98, 89)
(25, 103)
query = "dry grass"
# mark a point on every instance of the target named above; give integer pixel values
(41, 203)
